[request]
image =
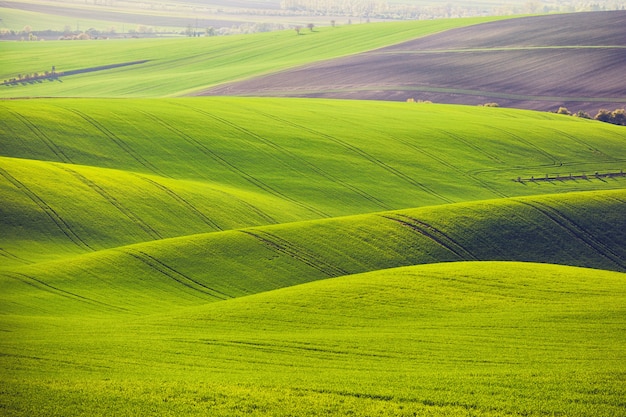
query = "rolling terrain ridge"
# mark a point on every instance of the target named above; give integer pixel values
(233, 256)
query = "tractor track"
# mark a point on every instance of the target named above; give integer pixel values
(451, 166)
(314, 167)
(6, 254)
(117, 141)
(63, 226)
(43, 137)
(41, 285)
(298, 253)
(149, 230)
(175, 275)
(434, 234)
(233, 168)
(182, 201)
(343, 144)
(577, 231)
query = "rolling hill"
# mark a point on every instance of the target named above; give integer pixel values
(234, 256)
(539, 62)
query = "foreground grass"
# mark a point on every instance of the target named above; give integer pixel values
(179, 66)
(448, 339)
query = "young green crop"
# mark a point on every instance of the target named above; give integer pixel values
(83, 175)
(449, 339)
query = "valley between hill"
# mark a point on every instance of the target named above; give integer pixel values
(235, 256)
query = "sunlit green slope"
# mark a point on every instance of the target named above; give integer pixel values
(77, 176)
(582, 229)
(452, 339)
(178, 66)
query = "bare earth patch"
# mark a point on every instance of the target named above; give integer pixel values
(540, 62)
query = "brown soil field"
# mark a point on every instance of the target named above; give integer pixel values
(574, 60)
(131, 17)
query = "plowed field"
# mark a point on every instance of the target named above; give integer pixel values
(540, 62)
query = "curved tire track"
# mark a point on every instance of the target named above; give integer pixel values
(63, 226)
(41, 285)
(43, 137)
(360, 152)
(232, 167)
(434, 234)
(117, 141)
(149, 230)
(298, 253)
(578, 232)
(175, 275)
(295, 157)
(183, 202)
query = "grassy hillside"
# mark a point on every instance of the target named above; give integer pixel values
(178, 66)
(582, 229)
(460, 339)
(146, 170)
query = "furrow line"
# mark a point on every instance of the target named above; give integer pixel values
(297, 253)
(555, 161)
(41, 285)
(295, 157)
(119, 142)
(451, 166)
(115, 203)
(433, 234)
(577, 231)
(363, 154)
(182, 201)
(469, 144)
(584, 144)
(6, 254)
(63, 226)
(175, 275)
(230, 166)
(43, 137)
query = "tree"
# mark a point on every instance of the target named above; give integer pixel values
(618, 117)
(563, 110)
(297, 29)
(310, 26)
(603, 115)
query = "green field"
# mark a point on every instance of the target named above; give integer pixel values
(298, 257)
(182, 66)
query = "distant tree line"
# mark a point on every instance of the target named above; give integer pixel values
(399, 9)
(616, 117)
